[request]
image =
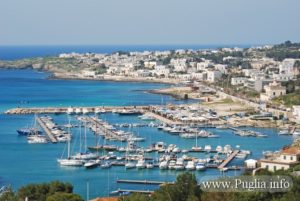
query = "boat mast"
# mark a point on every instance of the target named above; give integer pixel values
(69, 133)
(85, 147)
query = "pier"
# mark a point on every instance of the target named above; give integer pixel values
(47, 130)
(227, 160)
(131, 191)
(143, 182)
(164, 119)
(64, 110)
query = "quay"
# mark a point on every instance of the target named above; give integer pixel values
(163, 119)
(64, 110)
(107, 133)
(46, 129)
(227, 160)
(143, 182)
(131, 191)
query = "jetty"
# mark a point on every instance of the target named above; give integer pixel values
(64, 110)
(163, 119)
(46, 129)
(143, 182)
(228, 159)
(131, 191)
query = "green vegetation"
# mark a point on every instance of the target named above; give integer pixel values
(288, 99)
(284, 50)
(186, 189)
(53, 191)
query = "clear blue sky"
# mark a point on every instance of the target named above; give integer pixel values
(102, 22)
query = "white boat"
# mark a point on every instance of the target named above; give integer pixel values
(200, 166)
(129, 165)
(296, 132)
(105, 165)
(149, 165)
(137, 139)
(188, 135)
(284, 132)
(85, 111)
(241, 155)
(207, 148)
(70, 111)
(37, 139)
(141, 164)
(85, 156)
(91, 164)
(179, 164)
(190, 165)
(69, 161)
(172, 164)
(219, 149)
(78, 111)
(163, 165)
(196, 148)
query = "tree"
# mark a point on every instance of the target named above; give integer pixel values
(184, 189)
(9, 196)
(60, 196)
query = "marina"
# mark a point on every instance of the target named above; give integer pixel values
(159, 145)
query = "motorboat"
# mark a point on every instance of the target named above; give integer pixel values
(141, 164)
(130, 165)
(105, 165)
(91, 164)
(190, 165)
(172, 164)
(200, 166)
(163, 165)
(179, 164)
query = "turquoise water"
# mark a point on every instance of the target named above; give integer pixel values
(22, 163)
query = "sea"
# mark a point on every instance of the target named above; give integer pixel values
(23, 163)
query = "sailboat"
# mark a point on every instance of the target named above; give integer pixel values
(85, 155)
(69, 161)
(128, 164)
(196, 148)
(29, 130)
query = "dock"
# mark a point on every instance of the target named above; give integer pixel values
(143, 182)
(227, 160)
(64, 110)
(163, 119)
(131, 191)
(108, 133)
(46, 129)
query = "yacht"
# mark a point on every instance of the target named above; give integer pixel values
(200, 166)
(284, 132)
(219, 149)
(190, 165)
(179, 164)
(172, 164)
(163, 165)
(141, 164)
(37, 139)
(130, 165)
(105, 165)
(207, 148)
(149, 165)
(91, 164)
(70, 111)
(78, 111)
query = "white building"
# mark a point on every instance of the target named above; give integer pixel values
(161, 70)
(238, 80)
(288, 158)
(222, 68)
(287, 67)
(296, 112)
(272, 90)
(213, 76)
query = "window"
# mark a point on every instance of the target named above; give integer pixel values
(291, 158)
(284, 157)
(274, 168)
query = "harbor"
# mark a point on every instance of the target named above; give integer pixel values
(181, 136)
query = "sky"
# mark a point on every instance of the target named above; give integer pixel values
(151, 22)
